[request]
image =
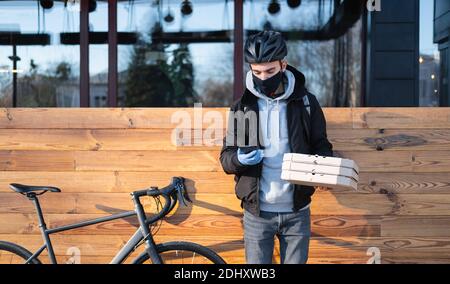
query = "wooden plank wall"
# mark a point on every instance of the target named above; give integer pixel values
(98, 156)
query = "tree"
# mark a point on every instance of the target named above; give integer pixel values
(181, 72)
(156, 82)
(147, 84)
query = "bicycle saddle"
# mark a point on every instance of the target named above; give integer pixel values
(22, 188)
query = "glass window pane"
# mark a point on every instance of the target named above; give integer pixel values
(332, 67)
(47, 70)
(98, 55)
(429, 58)
(158, 72)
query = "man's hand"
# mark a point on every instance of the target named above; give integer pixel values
(251, 158)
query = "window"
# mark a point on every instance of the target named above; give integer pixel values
(36, 69)
(177, 59)
(332, 67)
(429, 58)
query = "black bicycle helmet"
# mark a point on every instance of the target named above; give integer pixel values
(265, 46)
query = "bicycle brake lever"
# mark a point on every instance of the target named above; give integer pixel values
(186, 195)
(182, 194)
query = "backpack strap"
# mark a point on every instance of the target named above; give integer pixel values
(306, 104)
(305, 119)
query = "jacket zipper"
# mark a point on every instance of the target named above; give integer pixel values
(260, 167)
(290, 148)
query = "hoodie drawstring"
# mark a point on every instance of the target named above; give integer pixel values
(278, 120)
(275, 115)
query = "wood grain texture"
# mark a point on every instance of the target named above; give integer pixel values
(185, 139)
(97, 156)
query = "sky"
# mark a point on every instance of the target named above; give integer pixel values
(426, 44)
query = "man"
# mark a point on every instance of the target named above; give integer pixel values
(276, 93)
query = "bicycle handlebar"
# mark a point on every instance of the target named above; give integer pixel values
(175, 191)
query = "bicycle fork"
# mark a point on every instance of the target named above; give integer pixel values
(150, 245)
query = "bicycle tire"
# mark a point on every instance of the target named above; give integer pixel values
(17, 250)
(183, 246)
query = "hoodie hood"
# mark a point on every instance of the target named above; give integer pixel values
(289, 89)
(298, 87)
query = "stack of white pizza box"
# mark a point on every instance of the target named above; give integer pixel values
(314, 170)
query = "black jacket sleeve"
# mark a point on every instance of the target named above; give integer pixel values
(319, 141)
(228, 154)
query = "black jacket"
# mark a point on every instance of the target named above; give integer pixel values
(307, 135)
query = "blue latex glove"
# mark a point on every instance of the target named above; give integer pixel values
(250, 159)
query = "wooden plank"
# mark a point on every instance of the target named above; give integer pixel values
(165, 139)
(376, 161)
(231, 259)
(426, 161)
(381, 204)
(104, 182)
(182, 225)
(400, 161)
(390, 248)
(37, 160)
(415, 226)
(320, 247)
(106, 246)
(240, 259)
(213, 182)
(109, 139)
(109, 161)
(401, 117)
(380, 161)
(96, 203)
(339, 118)
(390, 139)
(147, 161)
(99, 117)
(227, 204)
(64, 118)
(403, 183)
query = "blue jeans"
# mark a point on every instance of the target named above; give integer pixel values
(292, 229)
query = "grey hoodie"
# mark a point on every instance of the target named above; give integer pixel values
(276, 195)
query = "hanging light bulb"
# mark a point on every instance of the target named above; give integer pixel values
(274, 7)
(186, 8)
(294, 3)
(168, 18)
(46, 4)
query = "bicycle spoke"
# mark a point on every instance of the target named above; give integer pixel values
(183, 257)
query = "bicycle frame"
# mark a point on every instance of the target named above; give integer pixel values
(142, 233)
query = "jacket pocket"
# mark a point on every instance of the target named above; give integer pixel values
(246, 188)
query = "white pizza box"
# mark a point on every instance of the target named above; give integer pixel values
(320, 169)
(321, 160)
(312, 179)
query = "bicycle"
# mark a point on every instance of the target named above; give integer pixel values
(154, 253)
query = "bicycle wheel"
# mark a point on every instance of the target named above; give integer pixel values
(182, 253)
(14, 254)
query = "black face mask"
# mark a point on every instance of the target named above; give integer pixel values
(270, 85)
